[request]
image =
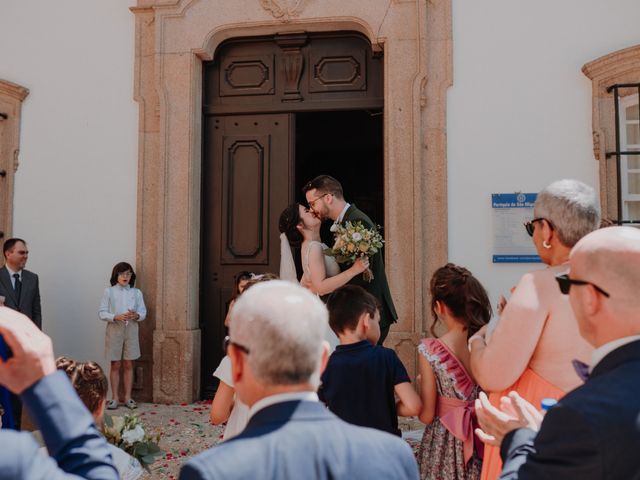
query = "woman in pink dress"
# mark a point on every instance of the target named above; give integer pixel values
(534, 342)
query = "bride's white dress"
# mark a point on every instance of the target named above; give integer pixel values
(332, 269)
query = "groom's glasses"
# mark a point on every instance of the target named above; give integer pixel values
(312, 202)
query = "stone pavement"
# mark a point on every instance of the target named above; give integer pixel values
(185, 431)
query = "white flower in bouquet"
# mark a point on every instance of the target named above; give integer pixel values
(353, 240)
(334, 228)
(132, 436)
(128, 434)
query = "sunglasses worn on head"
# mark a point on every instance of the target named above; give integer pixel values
(564, 282)
(528, 226)
(227, 341)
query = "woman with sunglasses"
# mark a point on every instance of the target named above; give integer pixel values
(534, 342)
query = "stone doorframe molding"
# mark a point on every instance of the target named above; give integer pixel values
(618, 67)
(173, 38)
(11, 98)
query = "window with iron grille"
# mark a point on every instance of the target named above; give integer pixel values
(627, 152)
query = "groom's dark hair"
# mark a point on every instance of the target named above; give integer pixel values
(325, 184)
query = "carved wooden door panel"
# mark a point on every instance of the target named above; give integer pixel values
(247, 182)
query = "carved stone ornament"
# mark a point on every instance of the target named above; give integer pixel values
(283, 9)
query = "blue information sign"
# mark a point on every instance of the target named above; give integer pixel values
(511, 242)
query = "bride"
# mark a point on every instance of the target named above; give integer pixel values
(321, 273)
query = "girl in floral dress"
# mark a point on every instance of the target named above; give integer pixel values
(449, 448)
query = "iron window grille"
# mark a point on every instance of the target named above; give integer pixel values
(626, 150)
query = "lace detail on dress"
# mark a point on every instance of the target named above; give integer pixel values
(331, 267)
(443, 361)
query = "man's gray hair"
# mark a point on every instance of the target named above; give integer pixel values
(572, 207)
(283, 326)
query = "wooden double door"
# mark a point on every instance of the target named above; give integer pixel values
(276, 112)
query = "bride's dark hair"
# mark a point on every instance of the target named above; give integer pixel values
(288, 224)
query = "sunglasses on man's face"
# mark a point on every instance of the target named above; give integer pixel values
(564, 282)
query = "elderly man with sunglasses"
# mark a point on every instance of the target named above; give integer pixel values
(594, 431)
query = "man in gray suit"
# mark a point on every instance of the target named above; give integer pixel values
(18, 286)
(277, 354)
(21, 292)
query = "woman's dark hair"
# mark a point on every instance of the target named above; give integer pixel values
(465, 296)
(88, 379)
(258, 278)
(240, 276)
(121, 268)
(288, 224)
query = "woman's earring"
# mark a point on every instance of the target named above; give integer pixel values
(546, 245)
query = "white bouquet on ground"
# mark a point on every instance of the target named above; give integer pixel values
(128, 434)
(354, 240)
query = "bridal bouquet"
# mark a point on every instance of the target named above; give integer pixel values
(354, 240)
(128, 434)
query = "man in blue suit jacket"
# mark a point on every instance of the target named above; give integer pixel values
(594, 431)
(277, 353)
(76, 447)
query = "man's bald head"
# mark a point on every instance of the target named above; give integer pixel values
(610, 259)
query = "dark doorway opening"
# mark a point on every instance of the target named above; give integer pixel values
(348, 145)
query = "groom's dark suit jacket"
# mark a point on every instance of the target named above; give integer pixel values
(378, 287)
(296, 440)
(592, 433)
(29, 297)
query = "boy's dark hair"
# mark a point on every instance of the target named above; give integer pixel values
(10, 243)
(325, 184)
(345, 306)
(465, 296)
(121, 268)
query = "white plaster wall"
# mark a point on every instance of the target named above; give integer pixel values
(75, 188)
(519, 111)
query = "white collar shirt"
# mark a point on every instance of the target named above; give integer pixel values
(280, 398)
(604, 350)
(11, 276)
(342, 213)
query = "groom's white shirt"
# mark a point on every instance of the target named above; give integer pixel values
(344, 210)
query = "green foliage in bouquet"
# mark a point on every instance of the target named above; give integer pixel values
(354, 240)
(128, 434)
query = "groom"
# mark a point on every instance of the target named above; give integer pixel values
(326, 200)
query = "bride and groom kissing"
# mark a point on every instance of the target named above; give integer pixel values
(300, 227)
